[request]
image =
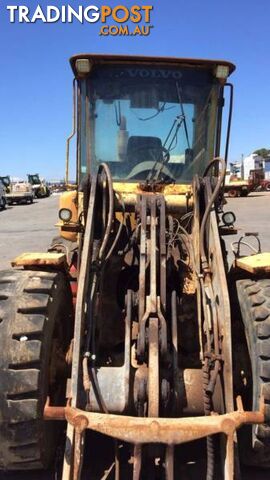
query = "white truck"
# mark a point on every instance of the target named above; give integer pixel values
(19, 191)
(236, 186)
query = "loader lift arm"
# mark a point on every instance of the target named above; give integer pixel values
(149, 390)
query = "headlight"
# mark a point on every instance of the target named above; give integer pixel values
(228, 218)
(222, 72)
(83, 66)
(65, 215)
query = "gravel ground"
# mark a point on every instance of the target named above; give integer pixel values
(252, 215)
(27, 228)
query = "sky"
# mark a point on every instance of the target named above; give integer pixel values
(36, 79)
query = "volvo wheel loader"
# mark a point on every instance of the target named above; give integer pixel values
(131, 338)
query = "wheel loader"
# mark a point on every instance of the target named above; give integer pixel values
(130, 344)
(41, 190)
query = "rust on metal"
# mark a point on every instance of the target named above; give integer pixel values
(176, 203)
(137, 462)
(259, 263)
(52, 412)
(162, 430)
(126, 59)
(38, 258)
(80, 424)
(136, 188)
(175, 195)
(78, 448)
(153, 367)
(169, 462)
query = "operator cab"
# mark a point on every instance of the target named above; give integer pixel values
(148, 119)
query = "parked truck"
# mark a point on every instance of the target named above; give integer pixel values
(17, 191)
(235, 186)
(258, 181)
(239, 187)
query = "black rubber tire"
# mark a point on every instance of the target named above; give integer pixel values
(254, 303)
(244, 193)
(35, 332)
(4, 204)
(39, 194)
(233, 193)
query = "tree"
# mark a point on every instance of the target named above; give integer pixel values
(263, 152)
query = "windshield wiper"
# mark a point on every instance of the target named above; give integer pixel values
(177, 123)
(182, 112)
(171, 137)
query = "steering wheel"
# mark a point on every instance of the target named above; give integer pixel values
(151, 149)
(142, 170)
(152, 163)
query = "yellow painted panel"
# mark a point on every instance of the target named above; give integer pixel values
(255, 263)
(125, 187)
(69, 200)
(37, 258)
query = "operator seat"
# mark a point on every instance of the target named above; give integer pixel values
(141, 149)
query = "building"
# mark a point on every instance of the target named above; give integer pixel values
(267, 168)
(252, 162)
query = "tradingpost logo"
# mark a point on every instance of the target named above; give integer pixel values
(114, 20)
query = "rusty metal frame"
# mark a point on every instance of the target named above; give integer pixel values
(116, 378)
(221, 299)
(71, 441)
(166, 61)
(170, 431)
(153, 429)
(153, 304)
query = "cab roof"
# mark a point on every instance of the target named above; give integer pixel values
(101, 59)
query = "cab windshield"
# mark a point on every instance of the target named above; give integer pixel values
(34, 179)
(148, 123)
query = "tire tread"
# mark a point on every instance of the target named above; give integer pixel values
(254, 302)
(25, 330)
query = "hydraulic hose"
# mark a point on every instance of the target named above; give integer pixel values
(100, 257)
(120, 228)
(209, 381)
(97, 392)
(104, 166)
(89, 375)
(209, 206)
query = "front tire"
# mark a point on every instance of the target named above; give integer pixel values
(254, 303)
(4, 204)
(244, 193)
(35, 332)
